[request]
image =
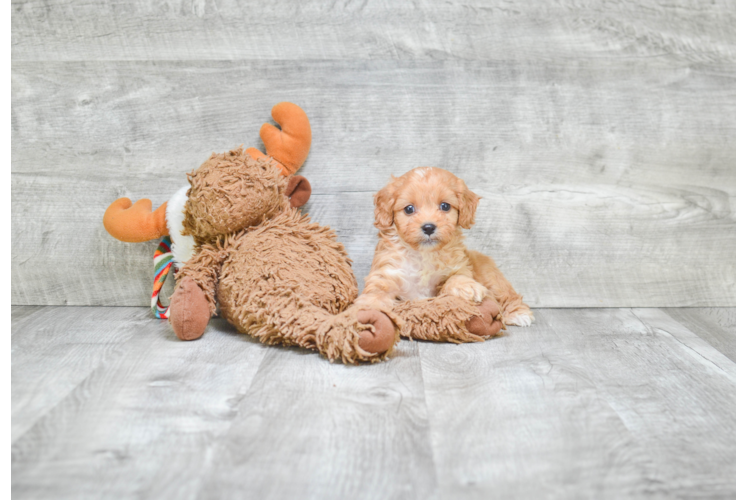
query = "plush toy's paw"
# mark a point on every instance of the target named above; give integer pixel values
(380, 338)
(488, 323)
(189, 310)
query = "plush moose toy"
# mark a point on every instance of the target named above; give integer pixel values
(237, 234)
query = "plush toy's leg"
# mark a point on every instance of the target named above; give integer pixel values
(513, 310)
(193, 301)
(489, 322)
(189, 311)
(357, 335)
(379, 334)
(447, 318)
(354, 335)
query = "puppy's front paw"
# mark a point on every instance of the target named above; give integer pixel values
(520, 318)
(467, 289)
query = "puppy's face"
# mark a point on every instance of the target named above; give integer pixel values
(426, 206)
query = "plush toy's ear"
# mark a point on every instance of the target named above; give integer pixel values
(384, 202)
(468, 206)
(298, 191)
(289, 146)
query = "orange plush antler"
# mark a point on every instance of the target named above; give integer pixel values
(135, 223)
(290, 145)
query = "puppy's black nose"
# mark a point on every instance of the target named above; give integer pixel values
(428, 229)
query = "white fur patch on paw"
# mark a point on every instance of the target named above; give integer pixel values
(520, 319)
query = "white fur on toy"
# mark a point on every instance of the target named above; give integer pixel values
(182, 247)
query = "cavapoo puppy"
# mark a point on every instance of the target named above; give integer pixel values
(421, 251)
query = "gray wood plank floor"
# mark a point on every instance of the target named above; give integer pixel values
(586, 403)
(601, 135)
(716, 325)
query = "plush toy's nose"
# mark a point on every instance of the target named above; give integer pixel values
(428, 229)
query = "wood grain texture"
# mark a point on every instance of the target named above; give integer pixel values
(52, 355)
(715, 325)
(605, 181)
(125, 409)
(311, 429)
(106, 402)
(636, 120)
(662, 323)
(586, 403)
(599, 403)
(370, 29)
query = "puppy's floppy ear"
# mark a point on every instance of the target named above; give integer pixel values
(384, 202)
(468, 206)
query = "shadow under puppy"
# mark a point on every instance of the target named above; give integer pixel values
(422, 269)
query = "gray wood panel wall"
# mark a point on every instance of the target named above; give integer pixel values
(601, 135)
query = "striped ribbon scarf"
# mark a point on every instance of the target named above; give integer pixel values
(163, 259)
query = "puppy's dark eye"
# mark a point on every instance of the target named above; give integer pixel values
(445, 206)
(410, 209)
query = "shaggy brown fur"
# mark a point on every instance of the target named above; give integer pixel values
(232, 191)
(279, 277)
(448, 319)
